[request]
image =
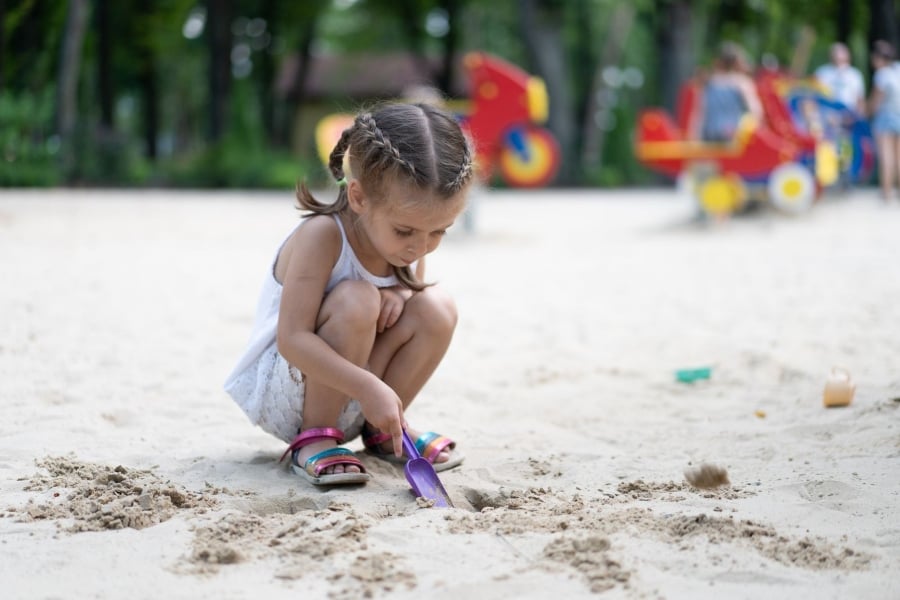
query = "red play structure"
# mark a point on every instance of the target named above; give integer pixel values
(783, 159)
(502, 116)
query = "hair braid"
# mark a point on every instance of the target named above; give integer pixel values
(366, 122)
(464, 175)
(305, 199)
(336, 158)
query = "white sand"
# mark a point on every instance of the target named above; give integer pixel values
(122, 312)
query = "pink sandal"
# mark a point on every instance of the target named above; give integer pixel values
(429, 445)
(320, 461)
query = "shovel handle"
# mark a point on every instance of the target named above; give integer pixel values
(410, 446)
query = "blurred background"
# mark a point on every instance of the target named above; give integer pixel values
(227, 93)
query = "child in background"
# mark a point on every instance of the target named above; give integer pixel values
(346, 332)
(728, 94)
(884, 109)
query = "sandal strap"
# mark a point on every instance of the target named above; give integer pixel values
(317, 463)
(430, 444)
(305, 438)
(373, 440)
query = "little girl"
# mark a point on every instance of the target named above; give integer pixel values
(346, 332)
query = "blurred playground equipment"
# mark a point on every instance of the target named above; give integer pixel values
(805, 143)
(502, 116)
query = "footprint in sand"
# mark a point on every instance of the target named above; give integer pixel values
(829, 493)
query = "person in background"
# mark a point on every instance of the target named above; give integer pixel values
(728, 94)
(884, 111)
(842, 80)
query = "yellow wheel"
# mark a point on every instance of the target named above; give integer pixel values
(792, 188)
(721, 195)
(529, 157)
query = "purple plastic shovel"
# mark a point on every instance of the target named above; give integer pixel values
(422, 477)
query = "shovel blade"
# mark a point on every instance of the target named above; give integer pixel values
(422, 477)
(425, 483)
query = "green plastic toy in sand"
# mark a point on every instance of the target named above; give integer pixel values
(692, 375)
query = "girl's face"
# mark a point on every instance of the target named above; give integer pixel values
(405, 226)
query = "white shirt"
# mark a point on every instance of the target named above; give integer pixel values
(845, 83)
(887, 80)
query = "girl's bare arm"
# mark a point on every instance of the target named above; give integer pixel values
(875, 99)
(305, 263)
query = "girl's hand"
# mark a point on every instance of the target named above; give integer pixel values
(393, 299)
(384, 410)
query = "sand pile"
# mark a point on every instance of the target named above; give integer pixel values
(91, 497)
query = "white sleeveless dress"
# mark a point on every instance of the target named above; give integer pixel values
(270, 390)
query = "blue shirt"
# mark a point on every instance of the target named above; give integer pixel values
(723, 107)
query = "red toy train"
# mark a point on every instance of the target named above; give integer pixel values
(784, 159)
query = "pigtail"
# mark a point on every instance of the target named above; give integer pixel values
(307, 201)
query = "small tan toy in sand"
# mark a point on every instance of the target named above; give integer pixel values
(839, 388)
(707, 476)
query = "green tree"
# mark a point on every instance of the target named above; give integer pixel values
(188, 84)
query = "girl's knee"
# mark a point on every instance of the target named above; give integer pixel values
(435, 310)
(354, 302)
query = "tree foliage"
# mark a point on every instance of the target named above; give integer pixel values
(149, 107)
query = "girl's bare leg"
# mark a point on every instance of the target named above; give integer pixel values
(895, 139)
(347, 323)
(886, 164)
(407, 354)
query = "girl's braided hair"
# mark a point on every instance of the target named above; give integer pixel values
(418, 144)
